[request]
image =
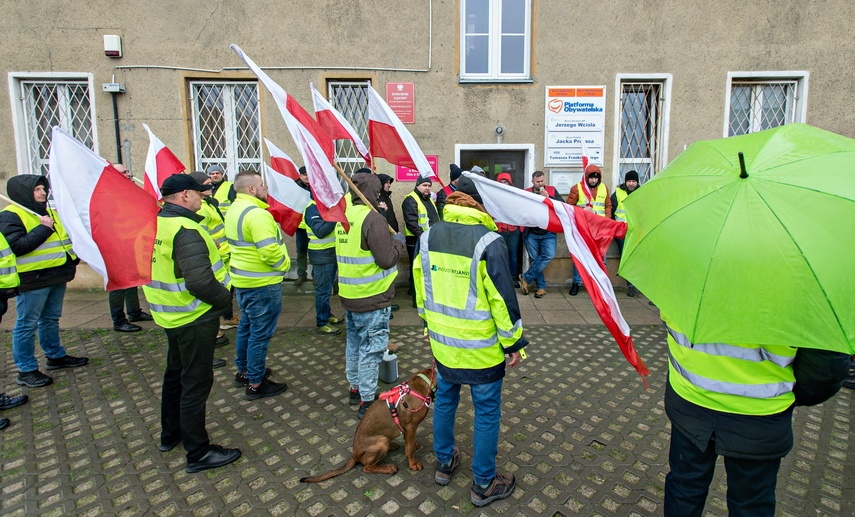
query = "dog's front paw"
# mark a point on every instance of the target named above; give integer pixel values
(415, 465)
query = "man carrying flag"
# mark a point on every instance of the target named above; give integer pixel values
(591, 194)
(187, 295)
(46, 263)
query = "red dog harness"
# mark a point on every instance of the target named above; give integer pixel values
(396, 396)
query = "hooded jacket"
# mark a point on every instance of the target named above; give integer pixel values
(386, 197)
(376, 239)
(20, 190)
(411, 214)
(573, 196)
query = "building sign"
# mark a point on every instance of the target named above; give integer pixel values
(401, 97)
(408, 174)
(574, 114)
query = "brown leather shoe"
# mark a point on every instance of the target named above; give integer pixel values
(540, 293)
(523, 285)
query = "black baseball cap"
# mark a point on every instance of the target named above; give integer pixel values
(179, 183)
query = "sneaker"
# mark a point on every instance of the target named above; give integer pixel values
(264, 390)
(142, 316)
(221, 340)
(363, 407)
(354, 396)
(540, 293)
(523, 285)
(33, 379)
(7, 402)
(501, 487)
(215, 457)
(4, 423)
(230, 324)
(241, 380)
(332, 320)
(218, 363)
(126, 326)
(444, 472)
(66, 361)
(328, 330)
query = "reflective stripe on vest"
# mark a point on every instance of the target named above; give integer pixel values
(52, 252)
(359, 276)
(171, 303)
(222, 197)
(734, 379)
(422, 213)
(314, 242)
(8, 271)
(248, 268)
(620, 213)
(598, 204)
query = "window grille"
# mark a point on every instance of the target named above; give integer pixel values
(54, 103)
(350, 98)
(495, 40)
(641, 128)
(759, 105)
(226, 126)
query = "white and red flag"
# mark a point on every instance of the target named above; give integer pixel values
(281, 162)
(160, 164)
(285, 199)
(335, 125)
(111, 221)
(315, 146)
(388, 138)
(588, 236)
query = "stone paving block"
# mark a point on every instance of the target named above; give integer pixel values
(579, 431)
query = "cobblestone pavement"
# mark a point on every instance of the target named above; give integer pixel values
(579, 431)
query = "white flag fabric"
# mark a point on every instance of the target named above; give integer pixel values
(160, 164)
(335, 125)
(285, 199)
(388, 138)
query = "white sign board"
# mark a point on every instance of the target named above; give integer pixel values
(574, 114)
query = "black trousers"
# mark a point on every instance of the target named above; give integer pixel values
(128, 298)
(750, 483)
(187, 383)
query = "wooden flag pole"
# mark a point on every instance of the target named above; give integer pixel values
(360, 194)
(18, 204)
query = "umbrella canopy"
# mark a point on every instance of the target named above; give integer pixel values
(767, 259)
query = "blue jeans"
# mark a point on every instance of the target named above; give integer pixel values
(259, 310)
(750, 483)
(620, 250)
(324, 276)
(512, 240)
(39, 309)
(367, 339)
(541, 251)
(487, 400)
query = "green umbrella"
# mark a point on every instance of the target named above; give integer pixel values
(761, 254)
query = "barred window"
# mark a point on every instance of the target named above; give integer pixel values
(350, 98)
(226, 125)
(763, 100)
(641, 128)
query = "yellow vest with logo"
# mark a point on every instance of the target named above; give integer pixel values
(358, 275)
(50, 253)
(8, 270)
(214, 223)
(171, 303)
(316, 243)
(222, 196)
(620, 213)
(459, 302)
(258, 253)
(740, 379)
(599, 204)
(422, 211)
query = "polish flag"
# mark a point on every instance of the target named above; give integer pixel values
(111, 221)
(390, 139)
(285, 199)
(588, 236)
(160, 164)
(281, 162)
(315, 146)
(335, 125)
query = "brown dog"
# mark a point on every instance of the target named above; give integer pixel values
(374, 434)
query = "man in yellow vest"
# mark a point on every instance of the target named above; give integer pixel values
(46, 263)
(9, 282)
(736, 401)
(473, 324)
(630, 183)
(321, 249)
(593, 195)
(223, 190)
(367, 257)
(187, 294)
(258, 264)
(126, 298)
(419, 214)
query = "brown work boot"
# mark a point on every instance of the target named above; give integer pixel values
(523, 285)
(501, 487)
(540, 293)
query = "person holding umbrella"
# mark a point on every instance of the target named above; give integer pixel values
(710, 238)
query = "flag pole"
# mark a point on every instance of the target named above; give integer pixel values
(360, 194)
(18, 205)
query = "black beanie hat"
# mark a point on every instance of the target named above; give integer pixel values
(455, 172)
(363, 169)
(631, 175)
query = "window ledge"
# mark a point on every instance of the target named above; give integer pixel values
(496, 81)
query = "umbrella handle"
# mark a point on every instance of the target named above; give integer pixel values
(742, 172)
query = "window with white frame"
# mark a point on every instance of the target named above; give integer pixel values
(226, 125)
(758, 101)
(350, 98)
(642, 132)
(39, 104)
(495, 40)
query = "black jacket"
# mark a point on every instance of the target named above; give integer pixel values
(20, 189)
(389, 211)
(321, 229)
(191, 262)
(411, 215)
